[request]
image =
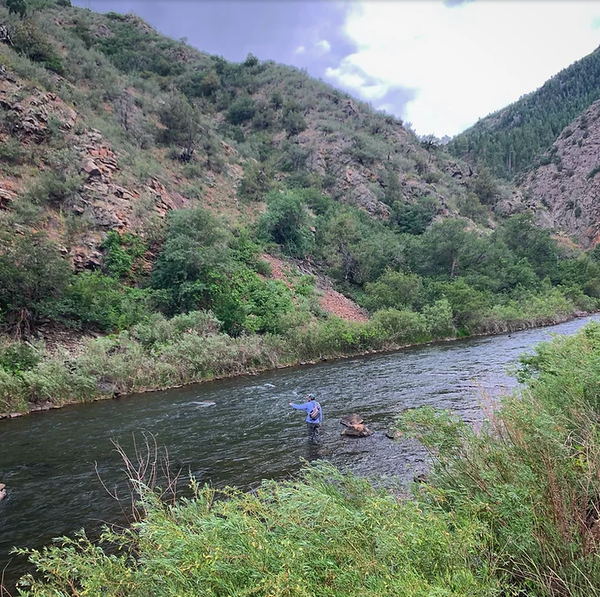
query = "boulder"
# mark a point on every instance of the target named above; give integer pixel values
(350, 420)
(358, 430)
(393, 433)
(91, 168)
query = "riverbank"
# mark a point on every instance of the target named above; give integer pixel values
(187, 349)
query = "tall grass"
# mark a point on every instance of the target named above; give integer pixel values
(533, 475)
(324, 534)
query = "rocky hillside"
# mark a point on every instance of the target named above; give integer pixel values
(107, 125)
(563, 190)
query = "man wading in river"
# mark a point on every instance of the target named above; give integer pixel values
(314, 416)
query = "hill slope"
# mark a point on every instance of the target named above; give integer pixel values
(509, 140)
(563, 189)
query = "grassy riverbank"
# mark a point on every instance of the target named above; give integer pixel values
(510, 510)
(163, 353)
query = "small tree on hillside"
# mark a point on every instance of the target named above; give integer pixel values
(182, 125)
(288, 222)
(18, 7)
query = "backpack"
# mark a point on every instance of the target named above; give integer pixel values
(315, 412)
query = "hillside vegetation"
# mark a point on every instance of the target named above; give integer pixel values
(510, 140)
(147, 188)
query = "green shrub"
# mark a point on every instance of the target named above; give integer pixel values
(401, 327)
(54, 188)
(16, 357)
(94, 300)
(287, 222)
(123, 254)
(292, 538)
(27, 39)
(33, 275)
(241, 110)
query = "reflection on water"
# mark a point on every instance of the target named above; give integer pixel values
(236, 432)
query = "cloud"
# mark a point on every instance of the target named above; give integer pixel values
(323, 47)
(454, 62)
(300, 50)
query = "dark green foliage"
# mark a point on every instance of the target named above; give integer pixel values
(29, 40)
(18, 357)
(509, 140)
(33, 275)
(394, 289)
(201, 84)
(202, 266)
(486, 187)
(123, 254)
(18, 7)
(182, 125)
(99, 302)
(132, 48)
(54, 188)
(412, 218)
(11, 151)
(241, 110)
(257, 182)
(287, 222)
(528, 241)
(293, 122)
(470, 207)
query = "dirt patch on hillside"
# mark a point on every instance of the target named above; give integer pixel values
(340, 305)
(331, 301)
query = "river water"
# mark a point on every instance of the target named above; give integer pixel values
(50, 461)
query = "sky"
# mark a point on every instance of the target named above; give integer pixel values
(438, 64)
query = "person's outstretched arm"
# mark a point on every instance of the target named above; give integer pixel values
(300, 406)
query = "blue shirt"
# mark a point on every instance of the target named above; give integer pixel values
(308, 406)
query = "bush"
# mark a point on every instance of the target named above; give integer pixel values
(100, 302)
(393, 289)
(123, 254)
(530, 475)
(401, 327)
(288, 538)
(33, 275)
(54, 188)
(241, 110)
(287, 222)
(28, 40)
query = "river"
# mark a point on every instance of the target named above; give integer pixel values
(50, 461)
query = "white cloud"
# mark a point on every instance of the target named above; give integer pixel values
(300, 50)
(464, 62)
(322, 47)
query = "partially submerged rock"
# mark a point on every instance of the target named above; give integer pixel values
(349, 420)
(354, 426)
(2, 491)
(359, 430)
(393, 433)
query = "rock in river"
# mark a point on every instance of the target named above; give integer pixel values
(354, 426)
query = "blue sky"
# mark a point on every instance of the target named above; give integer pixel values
(438, 64)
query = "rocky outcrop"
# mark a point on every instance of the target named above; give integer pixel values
(31, 116)
(563, 189)
(354, 426)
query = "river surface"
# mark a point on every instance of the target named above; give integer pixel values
(51, 461)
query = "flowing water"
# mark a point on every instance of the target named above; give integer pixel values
(51, 461)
